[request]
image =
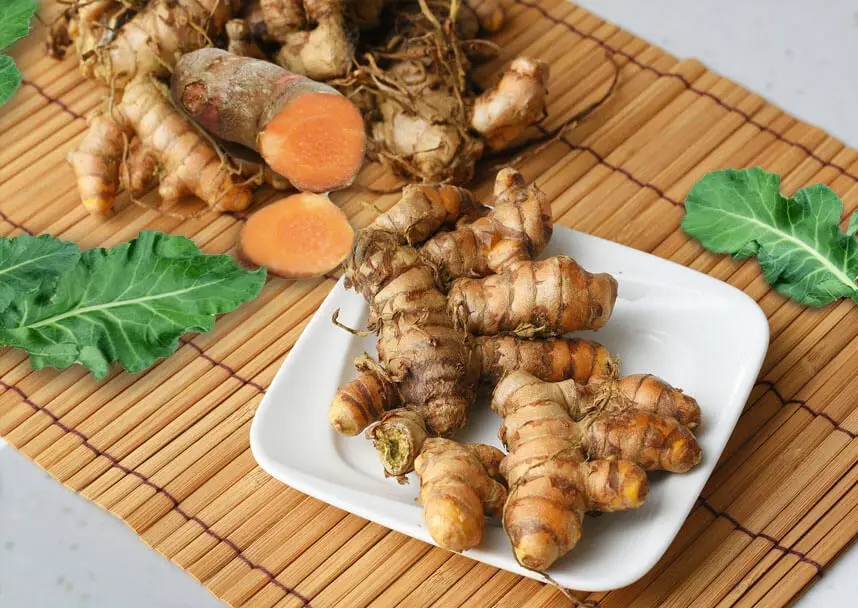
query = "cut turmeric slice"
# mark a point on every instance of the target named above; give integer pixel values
(298, 237)
(317, 142)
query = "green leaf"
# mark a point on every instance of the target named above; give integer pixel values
(797, 240)
(15, 16)
(10, 78)
(128, 304)
(852, 229)
(31, 263)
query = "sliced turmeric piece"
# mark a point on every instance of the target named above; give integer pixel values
(298, 237)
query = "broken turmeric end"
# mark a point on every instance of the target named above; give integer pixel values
(298, 237)
(317, 142)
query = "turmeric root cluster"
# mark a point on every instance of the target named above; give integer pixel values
(404, 68)
(407, 64)
(456, 297)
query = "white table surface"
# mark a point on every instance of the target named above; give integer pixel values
(59, 550)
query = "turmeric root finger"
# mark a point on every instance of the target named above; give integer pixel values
(652, 394)
(301, 236)
(516, 229)
(151, 41)
(546, 298)
(305, 130)
(327, 48)
(550, 360)
(489, 12)
(398, 438)
(424, 209)
(189, 163)
(551, 484)
(96, 164)
(363, 400)
(457, 493)
(432, 363)
(654, 442)
(282, 17)
(516, 102)
(140, 172)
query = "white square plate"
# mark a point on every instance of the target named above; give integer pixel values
(690, 329)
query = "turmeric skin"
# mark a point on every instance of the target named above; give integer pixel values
(457, 492)
(550, 297)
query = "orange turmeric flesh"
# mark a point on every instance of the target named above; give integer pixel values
(316, 141)
(301, 236)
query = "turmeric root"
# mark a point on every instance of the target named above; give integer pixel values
(150, 42)
(187, 164)
(140, 169)
(550, 360)
(558, 465)
(490, 14)
(282, 17)
(398, 438)
(545, 298)
(240, 39)
(516, 229)
(305, 130)
(301, 236)
(96, 164)
(325, 50)
(425, 209)
(517, 101)
(363, 400)
(432, 362)
(610, 425)
(457, 492)
(552, 485)
(652, 394)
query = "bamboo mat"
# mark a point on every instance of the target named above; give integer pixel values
(167, 450)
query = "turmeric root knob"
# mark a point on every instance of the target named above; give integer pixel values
(516, 229)
(546, 298)
(301, 236)
(362, 401)
(517, 101)
(96, 164)
(457, 491)
(551, 360)
(305, 130)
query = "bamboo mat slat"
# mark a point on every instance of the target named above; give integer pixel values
(167, 450)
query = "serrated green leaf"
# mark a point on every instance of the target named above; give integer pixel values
(797, 240)
(128, 304)
(15, 17)
(32, 263)
(10, 78)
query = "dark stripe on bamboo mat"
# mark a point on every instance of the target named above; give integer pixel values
(602, 161)
(223, 365)
(114, 462)
(632, 59)
(15, 224)
(770, 386)
(802, 557)
(52, 99)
